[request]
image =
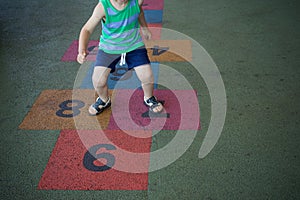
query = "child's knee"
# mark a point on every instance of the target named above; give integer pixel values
(99, 81)
(100, 77)
(148, 78)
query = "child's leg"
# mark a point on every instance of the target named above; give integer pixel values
(99, 79)
(144, 73)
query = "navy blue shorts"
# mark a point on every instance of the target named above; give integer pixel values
(133, 59)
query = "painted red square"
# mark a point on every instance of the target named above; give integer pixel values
(67, 167)
(181, 111)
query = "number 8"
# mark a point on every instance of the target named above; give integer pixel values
(64, 106)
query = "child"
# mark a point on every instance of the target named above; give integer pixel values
(120, 41)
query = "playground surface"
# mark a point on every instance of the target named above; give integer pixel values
(228, 72)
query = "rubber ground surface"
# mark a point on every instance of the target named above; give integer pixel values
(255, 45)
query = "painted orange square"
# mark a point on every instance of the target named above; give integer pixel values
(56, 110)
(169, 50)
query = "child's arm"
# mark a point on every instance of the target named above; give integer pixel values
(87, 30)
(145, 31)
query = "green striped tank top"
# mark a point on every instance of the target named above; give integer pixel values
(120, 31)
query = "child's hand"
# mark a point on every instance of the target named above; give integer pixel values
(146, 33)
(81, 57)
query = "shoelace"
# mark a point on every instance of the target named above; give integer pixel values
(123, 61)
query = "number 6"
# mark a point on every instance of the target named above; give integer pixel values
(91, 156)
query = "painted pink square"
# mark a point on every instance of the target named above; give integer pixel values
(155, 31)
(181, 111)
(153, 5)
(72, 51)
